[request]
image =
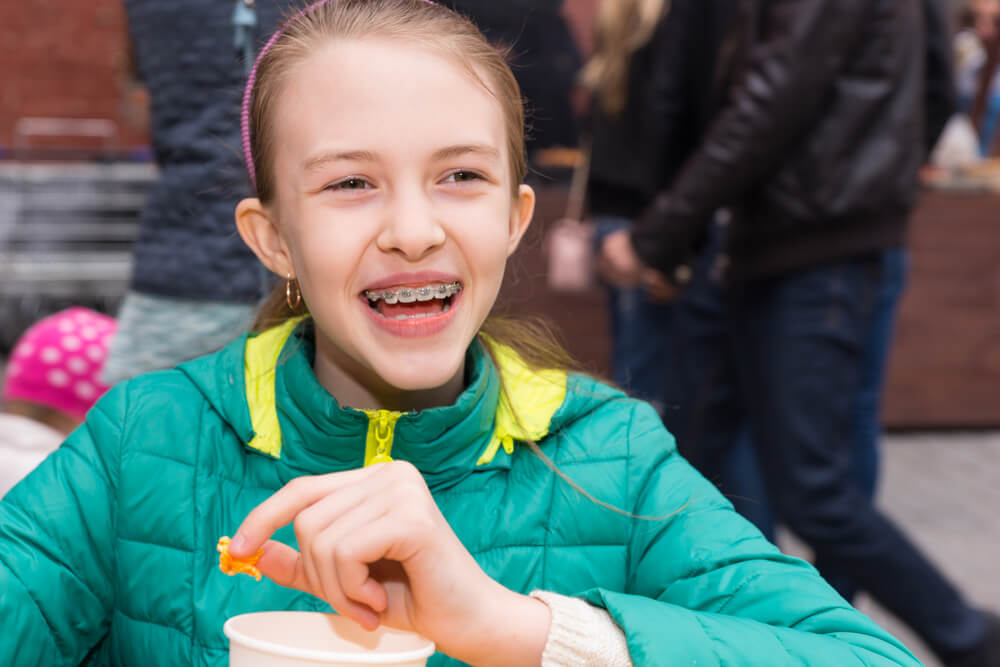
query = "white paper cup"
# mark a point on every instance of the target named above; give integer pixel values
(307, 638)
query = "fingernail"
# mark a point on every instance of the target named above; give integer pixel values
(238, 543)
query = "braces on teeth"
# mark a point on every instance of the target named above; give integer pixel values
(411, 294)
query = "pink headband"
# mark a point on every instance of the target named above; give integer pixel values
(245, 119)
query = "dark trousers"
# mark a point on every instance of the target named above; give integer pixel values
(641, 332)
(785, 357)
(742, 477)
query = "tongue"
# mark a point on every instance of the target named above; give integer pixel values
(432, 307)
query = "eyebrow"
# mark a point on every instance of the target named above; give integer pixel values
(317, 162)
(466, 149)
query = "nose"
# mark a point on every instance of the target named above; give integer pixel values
(411, 227)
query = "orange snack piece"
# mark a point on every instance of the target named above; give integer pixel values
(233, 566)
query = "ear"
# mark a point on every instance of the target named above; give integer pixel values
(521, 214)
(257, 227)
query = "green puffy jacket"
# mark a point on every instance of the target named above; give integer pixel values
(108, 549)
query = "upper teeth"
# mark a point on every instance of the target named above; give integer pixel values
(411, 294)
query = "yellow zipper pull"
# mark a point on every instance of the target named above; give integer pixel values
(381, 424)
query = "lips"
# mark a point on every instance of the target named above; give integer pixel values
(411, 305)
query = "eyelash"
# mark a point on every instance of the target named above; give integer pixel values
(340, 185)
(466, 174)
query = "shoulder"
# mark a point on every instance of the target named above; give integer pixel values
(147, 409)
(151, 392)
(617, 438)
(598, 421)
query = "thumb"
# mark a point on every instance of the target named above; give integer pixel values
(283, 565)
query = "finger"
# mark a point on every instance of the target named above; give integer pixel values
(392, 536)
(318, 527)
(661, 295)
(354, 560)
(657, 284)
(355, 579)
(286, 503)
(322, 555)
(318, 517)
(285, 566)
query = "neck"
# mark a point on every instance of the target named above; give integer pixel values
(360, 388)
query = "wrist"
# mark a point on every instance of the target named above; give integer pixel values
(511, 629)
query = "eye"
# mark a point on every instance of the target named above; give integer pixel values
(352, 183)
(463, 176)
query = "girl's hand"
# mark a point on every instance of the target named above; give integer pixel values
(376, 547)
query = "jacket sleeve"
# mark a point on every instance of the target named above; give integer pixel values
(704, 587)
(779, 95)
(941, 99)
(56, 551)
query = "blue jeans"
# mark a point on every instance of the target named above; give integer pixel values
(742, 476)
(697, 365)
(789, 357)
(640, 333)
(868, 400)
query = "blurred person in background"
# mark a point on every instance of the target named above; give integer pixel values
(544, 57)
(51, 381)
(829, 111)
(980, 29)
(651, 78)
(195, 285)
(630, 136)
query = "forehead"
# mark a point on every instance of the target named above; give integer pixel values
(384, 96)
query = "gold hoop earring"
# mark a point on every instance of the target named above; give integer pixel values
(288, 293)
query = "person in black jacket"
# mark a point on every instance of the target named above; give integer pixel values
(653, 90)
(830, 108)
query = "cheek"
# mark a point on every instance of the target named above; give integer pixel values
(326, 257)
(488, 236)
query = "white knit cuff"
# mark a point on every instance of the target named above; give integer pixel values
(581, 635)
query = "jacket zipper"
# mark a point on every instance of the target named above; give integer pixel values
(381, 430)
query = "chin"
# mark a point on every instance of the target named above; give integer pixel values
(409, 372)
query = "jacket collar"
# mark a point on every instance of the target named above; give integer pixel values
(287, 415)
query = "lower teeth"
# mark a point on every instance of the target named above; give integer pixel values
(445, 309)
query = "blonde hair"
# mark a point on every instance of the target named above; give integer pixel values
(415, 21)
(623, 27)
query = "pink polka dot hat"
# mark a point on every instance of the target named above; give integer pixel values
(57, 361)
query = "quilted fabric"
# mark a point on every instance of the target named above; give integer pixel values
(107, 550)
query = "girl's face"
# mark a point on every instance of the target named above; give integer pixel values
(393, 191)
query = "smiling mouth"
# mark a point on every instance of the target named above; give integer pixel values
(413, 302)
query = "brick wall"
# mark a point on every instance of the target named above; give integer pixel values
(67, 58)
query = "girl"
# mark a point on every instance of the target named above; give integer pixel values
(51, 381)
(394, 457)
